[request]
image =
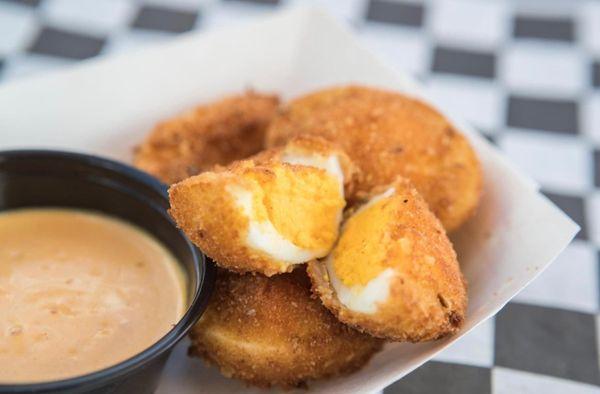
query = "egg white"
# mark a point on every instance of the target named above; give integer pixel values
(388, 193)
(263, 236)
(364, 299)
(329, 163)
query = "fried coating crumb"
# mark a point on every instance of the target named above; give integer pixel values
(388, 134)
(426, 297)
(216, 133)
(270, 332)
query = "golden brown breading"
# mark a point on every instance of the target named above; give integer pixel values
(270, 332)
(260, 217)
(387, 134)
(216, 133)
(395, 242)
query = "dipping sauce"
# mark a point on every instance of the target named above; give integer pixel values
(80, 291)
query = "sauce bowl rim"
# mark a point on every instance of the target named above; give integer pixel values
(205, 273)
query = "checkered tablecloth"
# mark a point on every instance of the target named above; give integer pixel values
(526, 73)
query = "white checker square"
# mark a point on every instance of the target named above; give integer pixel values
(570, 282)
(544, 69)
(547, 9)
(131, 40)
(589, 27)
(347, 10)
(590, 114)
(26, 65)
(510, 381)
(17, 27)
(598, 333)
(475, 23)
(89, 16)
(403, 49)
(475, 348)
(479, 102)
(557, 162)
(231, 14)
(593, 217)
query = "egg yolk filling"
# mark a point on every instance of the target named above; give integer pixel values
(364, 248)
(303, 204)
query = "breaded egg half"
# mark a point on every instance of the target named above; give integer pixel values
(387, 134)
(314, 151)
(271, 332)
(393, 272)
(212, 134)
(264, 215)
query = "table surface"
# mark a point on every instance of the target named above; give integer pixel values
(525, 73)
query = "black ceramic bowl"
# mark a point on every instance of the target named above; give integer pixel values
(33, 178)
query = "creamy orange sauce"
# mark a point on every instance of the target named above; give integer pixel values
(80, 291)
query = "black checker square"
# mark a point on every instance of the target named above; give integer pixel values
(574, 207)
(545, 28)
(165, 19)
(548, 341)
(396, 12)
(597, 168)
(62, 43)
(439, 377)
(264, 2)
(596, 74)
(491, 138)
(464, 62)
(28, 3)
(557, 115)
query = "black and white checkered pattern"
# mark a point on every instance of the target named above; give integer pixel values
(526, 73)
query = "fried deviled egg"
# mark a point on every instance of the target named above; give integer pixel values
(265, 215)
(271, 332)
(212, 134)
(388, 134)
(393, 272)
